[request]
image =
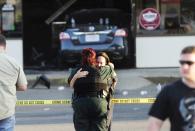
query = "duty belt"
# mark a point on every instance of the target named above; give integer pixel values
(95, 94)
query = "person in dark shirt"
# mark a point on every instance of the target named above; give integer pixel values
(176, 101)
(89, 103)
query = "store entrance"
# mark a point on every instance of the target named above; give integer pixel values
(40, 48)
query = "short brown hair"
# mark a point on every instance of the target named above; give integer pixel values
(103, 54)
(2, 40)
(188, 50)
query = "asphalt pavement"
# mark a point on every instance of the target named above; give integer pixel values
(132, 79)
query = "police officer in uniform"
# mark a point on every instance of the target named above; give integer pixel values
(89, 103)
(104, 60)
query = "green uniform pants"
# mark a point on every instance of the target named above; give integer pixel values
(90, 114)
(109, 116)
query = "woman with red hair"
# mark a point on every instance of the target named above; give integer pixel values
(89, 104)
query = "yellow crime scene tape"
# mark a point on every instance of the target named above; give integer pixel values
(134, 101)
(68, 101)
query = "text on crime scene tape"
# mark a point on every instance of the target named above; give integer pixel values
(69, 101)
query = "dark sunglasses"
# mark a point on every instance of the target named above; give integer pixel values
(182, 62)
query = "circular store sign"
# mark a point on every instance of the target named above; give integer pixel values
(149, 19)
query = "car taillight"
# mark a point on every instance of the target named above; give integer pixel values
(120, 32)
(64, 36)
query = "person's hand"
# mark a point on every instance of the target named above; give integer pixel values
(111, 65)
(81, 74)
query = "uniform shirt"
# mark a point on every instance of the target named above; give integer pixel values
(96, 80)
(11, 74)
(173, 103)
(111, 78)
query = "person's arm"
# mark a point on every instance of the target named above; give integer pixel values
(111, 64)
(21, 84)
(79, 74)
(114, 81)
(154, 124)
(114, 78)
(21, 87)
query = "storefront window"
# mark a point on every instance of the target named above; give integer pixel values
(11, 18)
(177, 17)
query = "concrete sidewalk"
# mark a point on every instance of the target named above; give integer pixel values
(136, 77)
(137, 125)
(142, 72)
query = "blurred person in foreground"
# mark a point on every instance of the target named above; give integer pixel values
(104, 60)
(176, 101)
(89, 103)
(12, 78)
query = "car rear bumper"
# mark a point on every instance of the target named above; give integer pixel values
(72, 56)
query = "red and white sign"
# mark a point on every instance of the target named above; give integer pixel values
(149, 19)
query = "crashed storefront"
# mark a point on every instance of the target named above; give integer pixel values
(43, 21)
(159, 29)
